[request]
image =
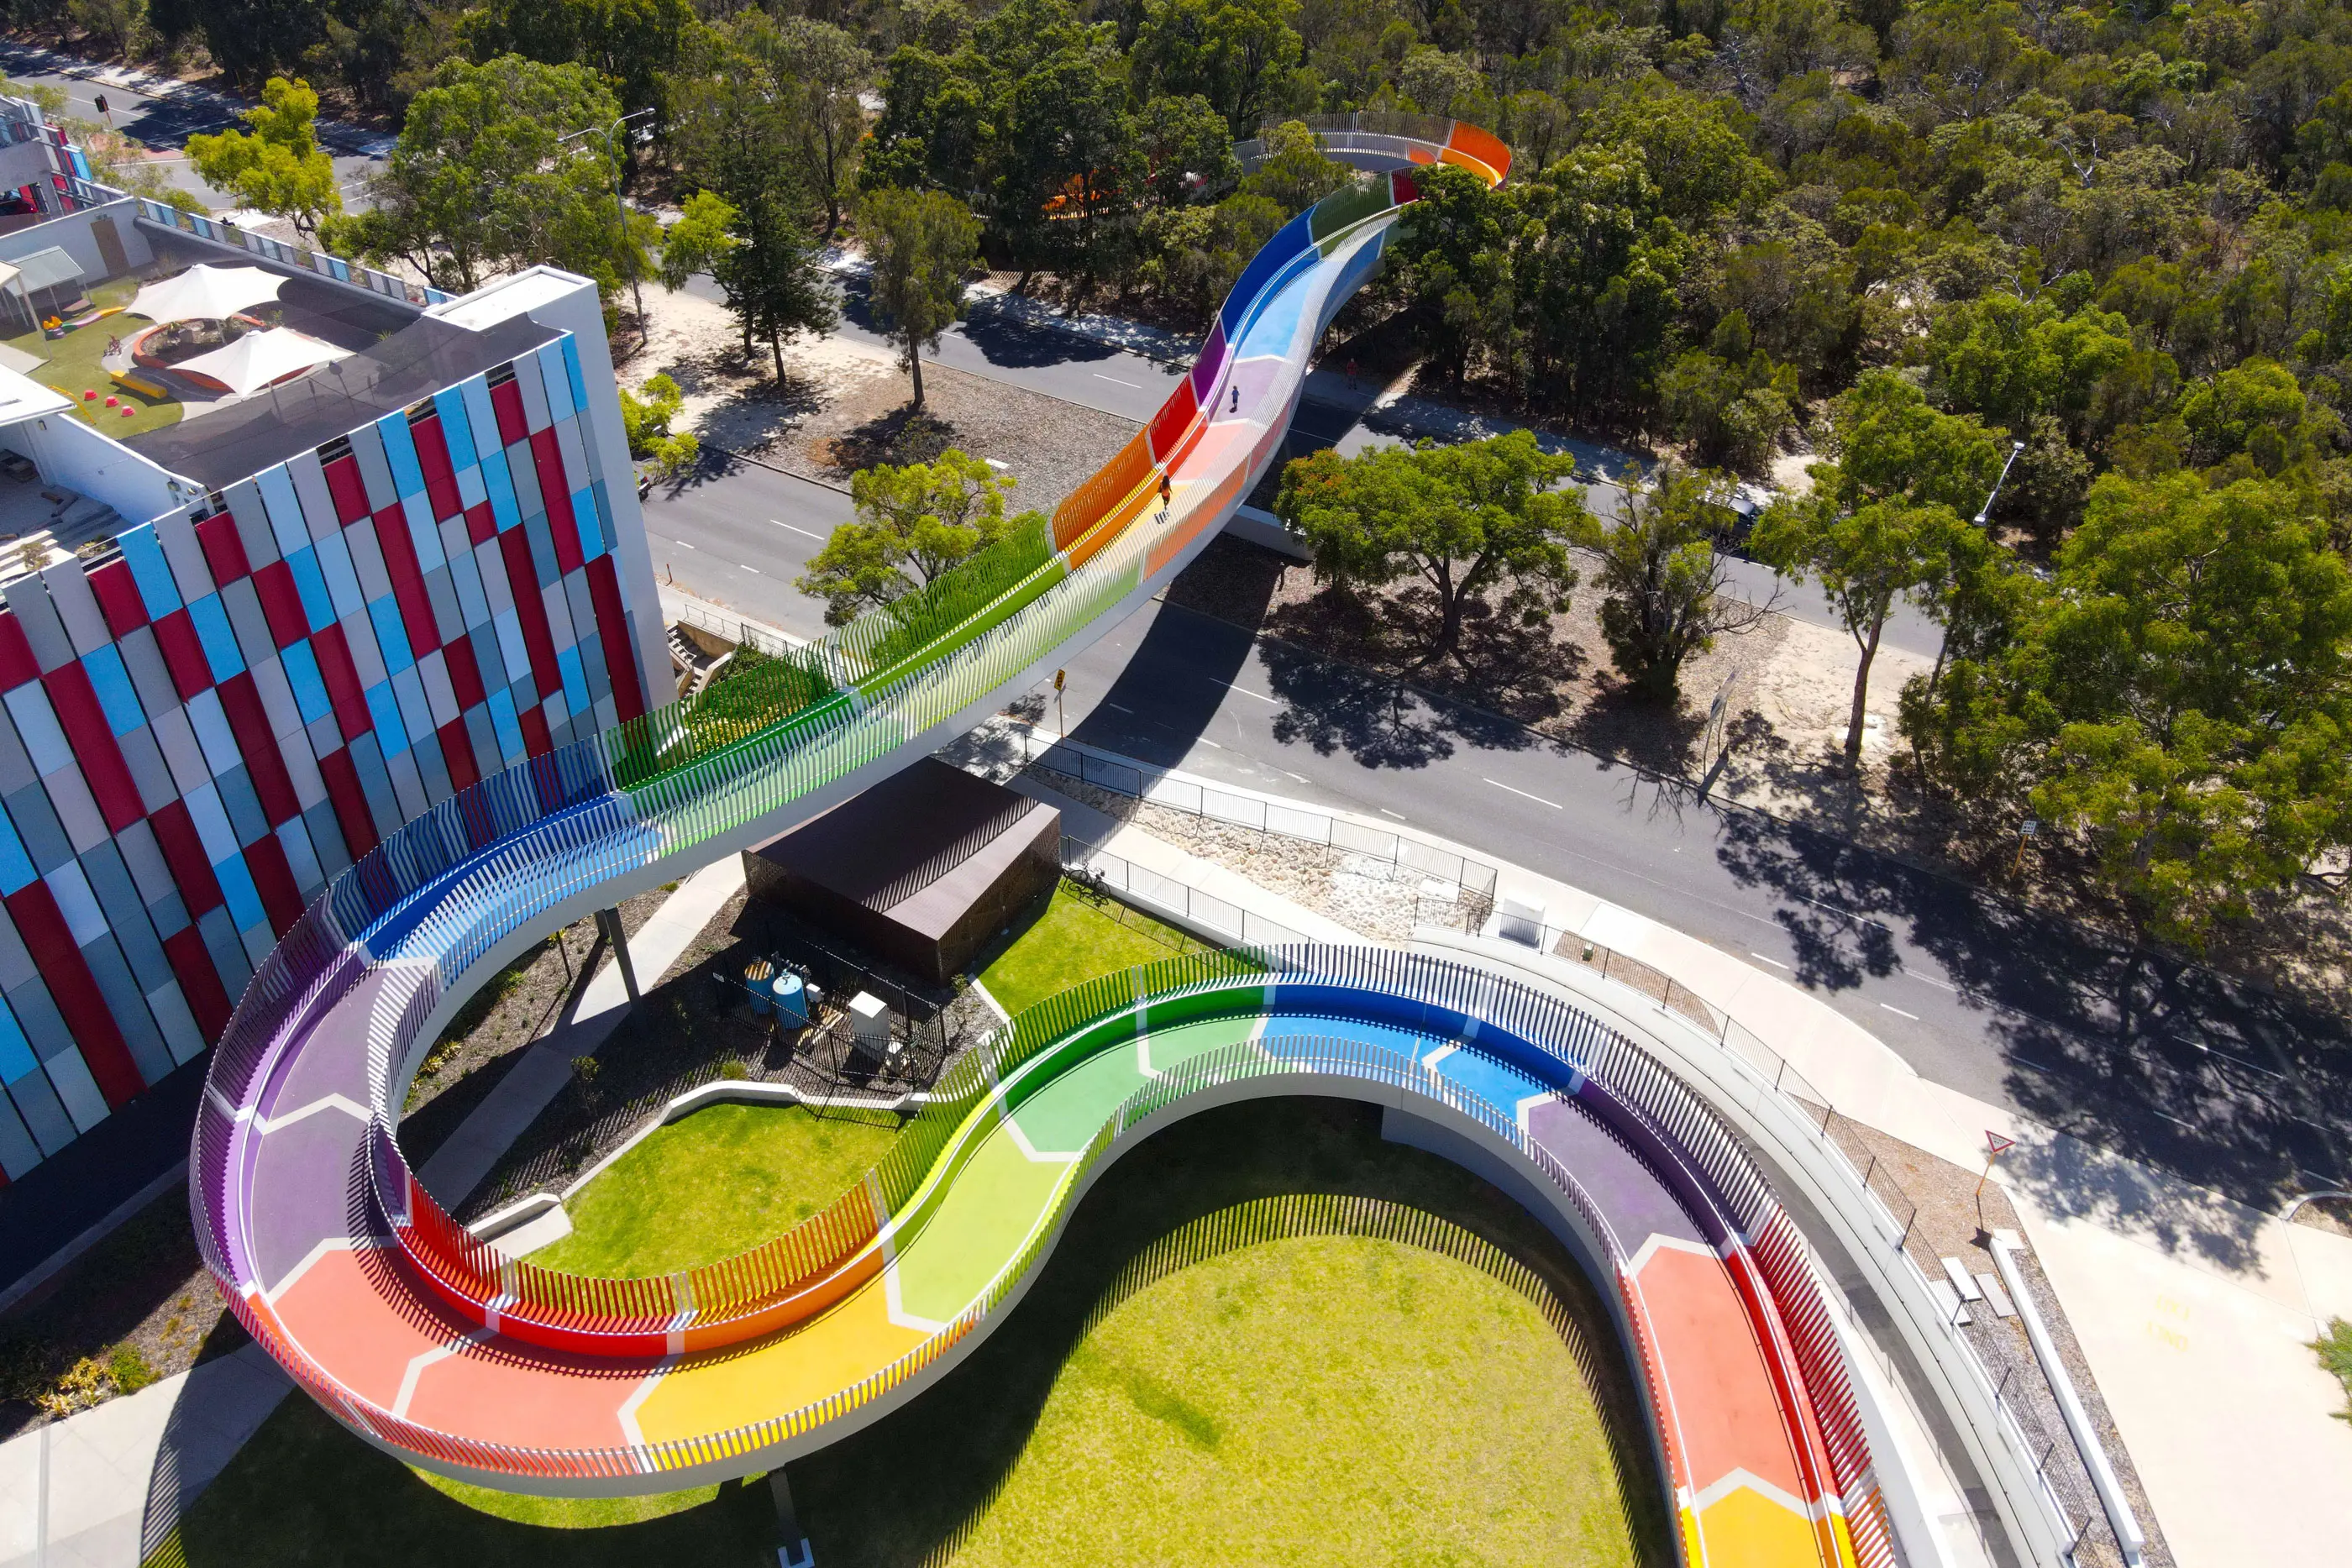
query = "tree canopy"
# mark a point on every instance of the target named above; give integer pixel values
(1463, 521)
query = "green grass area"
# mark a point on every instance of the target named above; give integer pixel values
(1320, 1400)
(1070, 941)
(73, 366)
(304, 1490)
(1316, 1399)
(718, 1182)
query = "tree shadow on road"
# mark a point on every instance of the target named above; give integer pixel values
(2144, 1057)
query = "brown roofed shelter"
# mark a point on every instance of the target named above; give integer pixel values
(923, 869)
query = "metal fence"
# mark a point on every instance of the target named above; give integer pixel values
(1143, 781)
(1120, 878)
(299, 257)
(734, 629)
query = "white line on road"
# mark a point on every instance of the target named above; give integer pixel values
(1211, 744)
(1117, 383)
(1916, 975)
(683, 544)
(1537, 798)
(1898, 1012)
(1112, 704)
(1248, 693)
(803, 532)
(754, 570)
(1399, 816)
(1849, 913)
(1774, 962)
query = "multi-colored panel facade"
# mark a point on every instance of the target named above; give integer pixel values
(200, 729)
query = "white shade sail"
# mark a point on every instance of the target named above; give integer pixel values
(206, 293)
(258, 359)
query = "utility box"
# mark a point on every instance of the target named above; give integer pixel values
(869, 1024)
(1521, 921)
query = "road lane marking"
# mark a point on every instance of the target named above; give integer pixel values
(1898, 1012)
(683, 544)
(1916, 975)
(1399, 816)
(803, 532)
(1537, 798)
(1246, 692)
(754, 570)
(1109, 704)
(1117, 383)
(1211, 744)
(1849, 913)
(1774, 962)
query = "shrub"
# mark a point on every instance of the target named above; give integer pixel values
(2335, 1348)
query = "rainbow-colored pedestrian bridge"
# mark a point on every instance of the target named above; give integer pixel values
(428, 1343)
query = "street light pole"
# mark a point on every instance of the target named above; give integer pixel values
(1983, 519)
(620, 201)
(1984, 513)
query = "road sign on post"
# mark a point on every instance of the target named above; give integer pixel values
(1995, 1146)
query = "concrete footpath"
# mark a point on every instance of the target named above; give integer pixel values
(2194, 1311)
(103, 1489)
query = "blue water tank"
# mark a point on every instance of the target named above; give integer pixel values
(792, 1000)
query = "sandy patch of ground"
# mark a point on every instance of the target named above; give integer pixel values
(845, 405)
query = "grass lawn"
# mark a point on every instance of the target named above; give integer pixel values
(1316, 1400)
(72, 367)
(1071, 940)
(720, 1181)
(304, 1490)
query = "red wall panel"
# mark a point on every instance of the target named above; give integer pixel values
(17, 664)
(281, 603)
(350, 801)
(92, 740)
(433, 458)
(505, 398)
(457, 751)
(240, 699)
(199, 981)
(118, 598)
(58, 958)
(530, 609)
(224, 550)
(184, 655)
(407, 581)
(613, 632)
(273, 878)
(556, 491)
(348, 489)
(342, 678)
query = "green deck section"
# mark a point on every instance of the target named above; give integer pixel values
(1165, 1048)
(996, 1201)
(977, 1223)
(1061, 1116)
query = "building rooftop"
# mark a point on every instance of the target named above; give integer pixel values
(420, 359)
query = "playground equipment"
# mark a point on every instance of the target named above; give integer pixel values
(428, 1343)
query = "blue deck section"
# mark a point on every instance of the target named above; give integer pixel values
(1497, 1082)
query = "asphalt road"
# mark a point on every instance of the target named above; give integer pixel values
(167, 122)
(2174, 1066)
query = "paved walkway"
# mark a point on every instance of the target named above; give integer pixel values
(103, 1489)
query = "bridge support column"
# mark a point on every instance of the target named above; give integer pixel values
(608, 920)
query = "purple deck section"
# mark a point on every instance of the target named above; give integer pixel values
(313, 1168)
(1629, 1195)
(311, 1172)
